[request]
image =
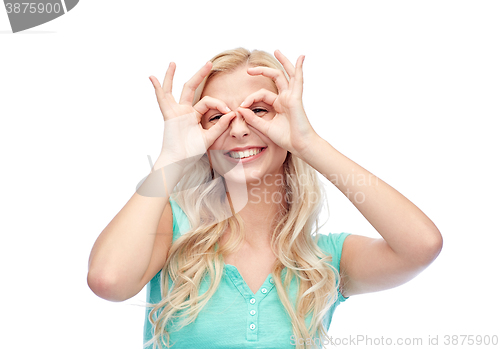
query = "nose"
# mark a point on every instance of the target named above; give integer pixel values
(238, 127)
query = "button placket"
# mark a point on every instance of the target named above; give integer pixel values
(252, 319)
(253, 300)
(254, 303)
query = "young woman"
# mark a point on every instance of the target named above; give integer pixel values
(224, 229)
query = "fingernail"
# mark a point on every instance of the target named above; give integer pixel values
(227, 108)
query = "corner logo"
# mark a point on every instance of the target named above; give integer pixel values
(28, 14)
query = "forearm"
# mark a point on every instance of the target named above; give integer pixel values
(406, 229)
(123, 251)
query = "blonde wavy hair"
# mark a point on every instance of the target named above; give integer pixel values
(196, 254)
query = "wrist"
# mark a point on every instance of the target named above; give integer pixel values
(164, 176)
(165, 160)
(307, 149)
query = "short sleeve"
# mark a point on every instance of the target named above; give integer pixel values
(332, 244)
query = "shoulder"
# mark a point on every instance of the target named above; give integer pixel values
(332, 244)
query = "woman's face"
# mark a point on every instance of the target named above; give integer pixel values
(229, 149)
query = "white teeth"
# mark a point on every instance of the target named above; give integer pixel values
(244, 154)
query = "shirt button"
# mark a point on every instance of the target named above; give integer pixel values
(271, 280)
(252, 327)
(252, 312)
(264, 290)
(252, 301)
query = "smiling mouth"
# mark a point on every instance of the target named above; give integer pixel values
(244, 154)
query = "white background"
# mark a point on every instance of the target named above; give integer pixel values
(409, 90)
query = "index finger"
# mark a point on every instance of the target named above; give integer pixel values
(277, 75)
(190, 87)
(263, 95)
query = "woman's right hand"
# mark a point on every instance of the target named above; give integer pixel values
(184, 138)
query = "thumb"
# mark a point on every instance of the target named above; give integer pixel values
(253, 120)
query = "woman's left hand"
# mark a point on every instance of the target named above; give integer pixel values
(290, 129)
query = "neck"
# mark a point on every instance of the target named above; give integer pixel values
(258, 204)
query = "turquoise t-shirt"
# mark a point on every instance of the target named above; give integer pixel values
(235, 317)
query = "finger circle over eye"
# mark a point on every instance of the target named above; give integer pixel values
(262, 95)
(207, 103)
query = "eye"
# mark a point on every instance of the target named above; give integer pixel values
(259, 110)
(215, 117)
